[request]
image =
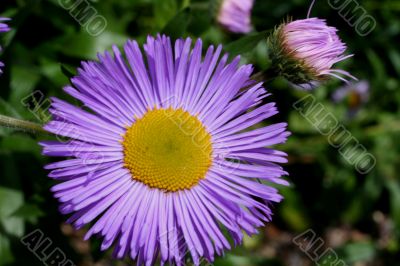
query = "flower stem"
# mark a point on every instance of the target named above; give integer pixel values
(265, 76)
(19, 124)
(259, 77)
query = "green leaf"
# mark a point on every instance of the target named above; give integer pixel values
(200, 20)
(5, 250)
(395, 57)
(176, 28)
(21, 143)
(29, 212)
(23, 81)
(68, 71)
(10, 201)
(377, 65)
(299, 124)
(50, 68)
(245, 259)
(164, 10)
(83, 45)
(232, 260)
(245, 44)
(358, 252)
(394, 191)
(293, 210)
(8, 110)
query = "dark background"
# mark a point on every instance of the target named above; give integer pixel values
(356, 215)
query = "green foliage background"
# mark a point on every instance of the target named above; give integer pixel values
(356, 215)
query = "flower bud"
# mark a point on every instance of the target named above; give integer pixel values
(235, 15)
(304, 51)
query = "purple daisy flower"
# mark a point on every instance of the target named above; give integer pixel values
(3, 28)
(357, 91)
(235, 15)
(356, 94)
(163, 157)
(305, 50)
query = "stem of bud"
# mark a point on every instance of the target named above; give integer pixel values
(19, 124)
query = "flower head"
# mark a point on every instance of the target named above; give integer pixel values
(164, 158)
(235, 15)
(305, 50)
(3, 28)
(356, 94)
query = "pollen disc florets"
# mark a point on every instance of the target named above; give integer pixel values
(168, 149)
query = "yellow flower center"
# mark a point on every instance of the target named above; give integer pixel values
(168, 149)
